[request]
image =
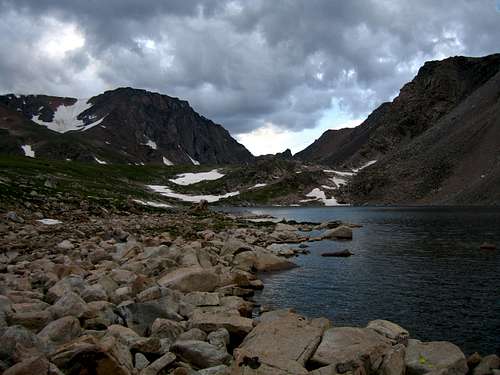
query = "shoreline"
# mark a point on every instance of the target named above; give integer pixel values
(143, 292)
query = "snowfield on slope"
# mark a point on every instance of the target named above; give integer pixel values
(66, 118)
(318, 194)
(167, 192)
(193, 178)
(152, 204)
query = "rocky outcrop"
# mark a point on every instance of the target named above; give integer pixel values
(279, 345)
(440, 357)
(350, 348)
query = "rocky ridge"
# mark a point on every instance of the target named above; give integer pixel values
(134, 292)
(124, 125)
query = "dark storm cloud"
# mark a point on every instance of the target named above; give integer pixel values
(241, 63)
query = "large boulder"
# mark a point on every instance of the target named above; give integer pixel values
(392, 331)
(140, 316)
(166, 329)
(17, 344)
(279, 345)
(190, 279)
(201, 354)
(261, 260)
(487, 365)
(445, 357)
(350, 348)
(33, 320)
(340, 233)
(60, 331)
(158, 365)
(88, 356)
(211, 321)
(69, 304)
(33, 365)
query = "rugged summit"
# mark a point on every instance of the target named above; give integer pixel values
(438, 142)
(123, 126)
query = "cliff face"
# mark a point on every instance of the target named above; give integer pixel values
(124, 125)
(456, 161)
(437, 89)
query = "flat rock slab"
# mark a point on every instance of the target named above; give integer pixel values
(348, 346)
(212, 321)
(424, 357)
(281, 345)
(190, 279)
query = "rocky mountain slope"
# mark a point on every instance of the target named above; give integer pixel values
(438, 142)
(438, 88)
(120, 126)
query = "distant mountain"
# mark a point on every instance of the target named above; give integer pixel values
(438, 142)
(121, 126)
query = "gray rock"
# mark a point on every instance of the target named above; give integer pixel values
(390, 330)
(71, 283)
(94, 293)
(281, 345)
(13, 216)
(158, 365)
(69, 304)
(220, 338)
(190, 279)
(33, 320)
(100, 315)
(140, 361)
(140, 316)
(65, 245)
(343, 232)
(60, 331)
(200, 353)
(394, 361)
(211, 321)
(423, 357)
(347, 347)
(193, 334)
(18, 343)
(487, 365)
(33, 365)
(166, 329)
(202, 299)
(217, 370)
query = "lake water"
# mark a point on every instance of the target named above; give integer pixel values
(418, 267)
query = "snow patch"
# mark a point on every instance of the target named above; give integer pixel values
(28, 151)
(151, 144)
(167, 192)
(66, 117)
(193, 178)
(318, 194)
(340, 173)
(166, 161)
(152, 204)
(49, 221)
(99, 161)
(194, 161)
(256, 186)
(366, 165)
(339, 181)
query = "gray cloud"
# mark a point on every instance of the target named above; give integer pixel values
(241, 63)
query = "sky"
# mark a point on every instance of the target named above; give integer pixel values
(275, 73)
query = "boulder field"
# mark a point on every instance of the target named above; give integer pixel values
(146, 293)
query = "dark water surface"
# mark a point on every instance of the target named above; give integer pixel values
(418, 267)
